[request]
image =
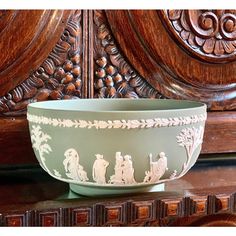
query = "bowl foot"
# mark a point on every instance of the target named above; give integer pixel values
(103, 191)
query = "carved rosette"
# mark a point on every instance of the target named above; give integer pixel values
(59, 76)
(209, 34)
(114, 77)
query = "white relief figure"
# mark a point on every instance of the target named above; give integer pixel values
(173, 175)
(82, 174)
(99, 169)
(56, 173)
(117, 178)
(157, 168)
(72, 167)
(128, 170)
(71, 163)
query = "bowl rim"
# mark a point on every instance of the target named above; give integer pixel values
(193, 105)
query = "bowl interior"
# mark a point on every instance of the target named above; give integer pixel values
(117, 105)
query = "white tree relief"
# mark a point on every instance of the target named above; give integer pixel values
(124, 171)
(99, 169)
(157, 169)
(190, 139)
(39, 140)
(72, 167)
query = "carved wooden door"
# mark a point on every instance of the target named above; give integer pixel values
(56, 54)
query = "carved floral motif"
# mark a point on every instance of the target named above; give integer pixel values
(59, 76)
(211, 33)
(114, 77)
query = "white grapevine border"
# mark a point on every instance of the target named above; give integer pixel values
(117, 124)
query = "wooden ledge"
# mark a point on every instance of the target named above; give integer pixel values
(32, 198)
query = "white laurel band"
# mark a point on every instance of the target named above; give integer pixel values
(117, 124)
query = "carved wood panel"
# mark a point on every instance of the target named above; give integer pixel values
(18, 219)
(208, 34)
(174, 65)
(52, 73)
(114, 76)
(50, 218)
(164, 60)
(81, 216)
(70, 54)
(199, 210)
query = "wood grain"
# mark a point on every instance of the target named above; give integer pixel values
(20, 55)
(109, 54)
(220, 133)
(15, 144)
(158, 58)
(208, 34)
(57, 77)
(114, 76)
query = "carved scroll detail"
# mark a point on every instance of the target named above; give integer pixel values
(210, 33)
(114, 77)
(59, 76)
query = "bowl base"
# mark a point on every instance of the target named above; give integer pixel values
(103, 191)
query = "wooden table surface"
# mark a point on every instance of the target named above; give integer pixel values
(32, 197)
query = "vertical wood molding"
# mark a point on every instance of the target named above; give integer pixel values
(87, 45)
(85, 55)
(91, 56)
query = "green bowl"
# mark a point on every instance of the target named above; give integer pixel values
(116, 146)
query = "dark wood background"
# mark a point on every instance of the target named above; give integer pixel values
(72, 54)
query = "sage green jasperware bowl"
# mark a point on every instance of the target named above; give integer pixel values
(116, 146)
